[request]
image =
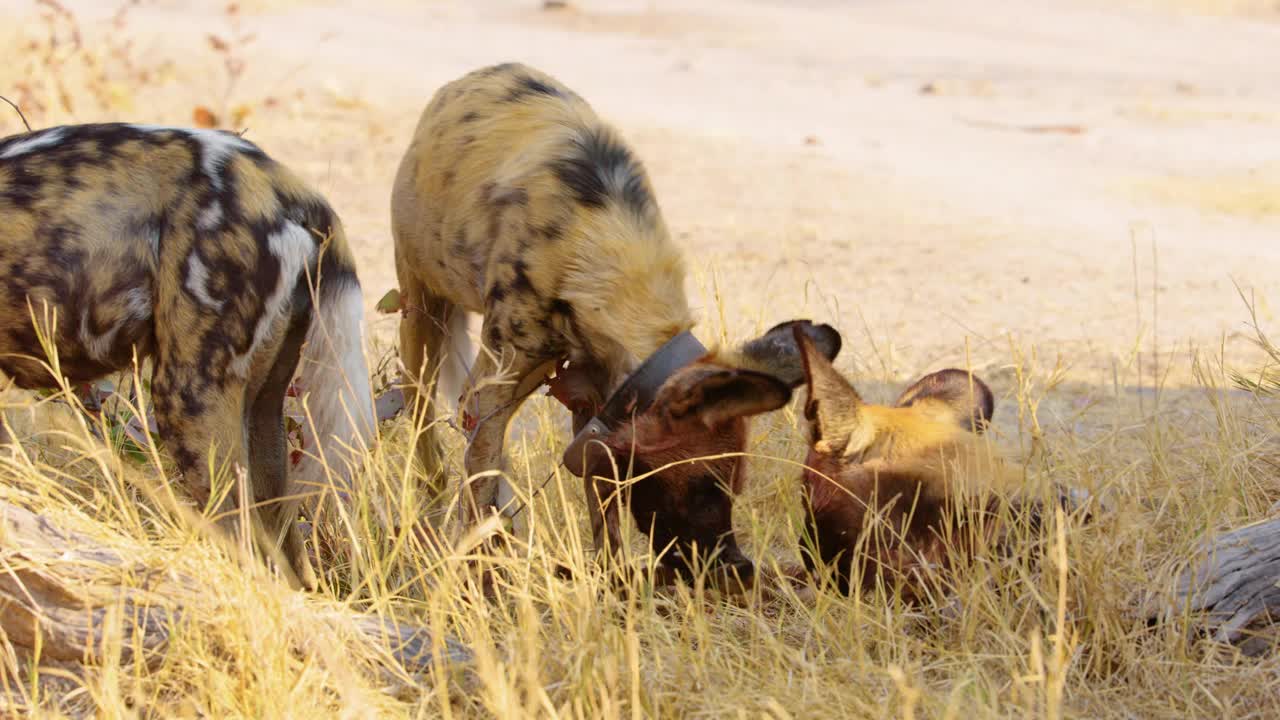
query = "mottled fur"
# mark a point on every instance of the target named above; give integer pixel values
(896, 494)
(195, 249)
(516, 202)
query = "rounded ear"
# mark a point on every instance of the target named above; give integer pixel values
(777, 353)
(715, 395)
(833, 406)
(960, 394)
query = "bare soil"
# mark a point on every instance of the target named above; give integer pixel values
(1087, 178)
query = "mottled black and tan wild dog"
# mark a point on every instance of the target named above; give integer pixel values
(195, 249)
(515, 201)
(899, 494)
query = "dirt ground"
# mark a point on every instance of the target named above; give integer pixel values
(1084, 177)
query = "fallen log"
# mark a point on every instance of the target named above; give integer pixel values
(1231, 589)
(67, 601)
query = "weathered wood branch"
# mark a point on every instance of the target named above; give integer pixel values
(1231, 588)
(66, 599)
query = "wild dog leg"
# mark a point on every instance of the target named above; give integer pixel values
(210, 438)
(208, 444)
(268, 451)
(422, 331)
(498, 390)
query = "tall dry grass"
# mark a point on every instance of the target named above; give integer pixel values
(1050, 632)
(1053, 631)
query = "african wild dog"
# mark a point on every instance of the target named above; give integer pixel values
(893, 493)
(200, 252)
(514, 200)
(686, 447)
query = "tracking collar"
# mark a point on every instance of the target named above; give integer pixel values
(634, 396)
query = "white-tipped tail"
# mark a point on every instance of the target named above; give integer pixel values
(339, 424)
(458, 356)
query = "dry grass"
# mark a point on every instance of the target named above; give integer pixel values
(1251, 8)
(1190, 114)
(1052, 633)
(1251, 195)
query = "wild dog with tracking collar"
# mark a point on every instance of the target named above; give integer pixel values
(515, 201)
(635, 395)
(678, 426)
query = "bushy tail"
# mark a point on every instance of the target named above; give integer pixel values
(339, 423)
(458, 356)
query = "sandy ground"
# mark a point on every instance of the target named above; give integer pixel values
(924, 173)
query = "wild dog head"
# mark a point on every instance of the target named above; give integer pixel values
(684, 450)
(883, 483)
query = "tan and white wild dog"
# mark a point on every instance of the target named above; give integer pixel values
(197, 250)
(515, 201)
(899, 494)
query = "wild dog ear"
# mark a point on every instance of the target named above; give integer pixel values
(777, 353)
(715, 395)
(833, 406)
(958, 394)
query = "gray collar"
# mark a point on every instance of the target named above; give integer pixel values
(635, 394)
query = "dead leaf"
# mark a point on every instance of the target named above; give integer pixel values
(1063, 129)
(218, 44)
(94, 395)
(203, 117)
(240, 114)
(341, 97)
(134, 430)
(390, 303)
(389, 404)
